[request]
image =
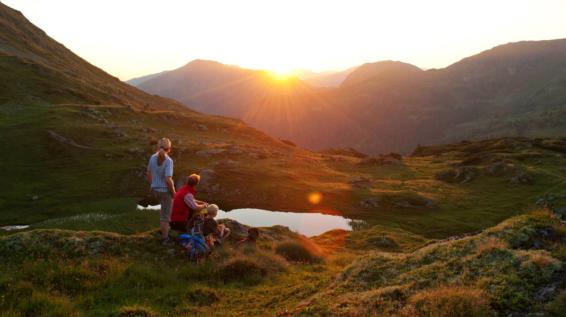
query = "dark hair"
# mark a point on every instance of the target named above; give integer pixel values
(253, 233)
(193, 180)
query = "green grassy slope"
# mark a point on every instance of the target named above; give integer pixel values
(515, 267)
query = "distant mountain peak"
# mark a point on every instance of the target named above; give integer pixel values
(387, 68)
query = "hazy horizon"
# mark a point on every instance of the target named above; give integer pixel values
(130, 39)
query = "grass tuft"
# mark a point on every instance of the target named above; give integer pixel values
(449, 302)
(297, 251)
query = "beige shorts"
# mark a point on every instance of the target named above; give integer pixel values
(166, 202)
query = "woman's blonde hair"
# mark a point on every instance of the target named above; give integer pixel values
(164, 145)
(193, 180)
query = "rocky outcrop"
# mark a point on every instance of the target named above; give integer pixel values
(463, 174)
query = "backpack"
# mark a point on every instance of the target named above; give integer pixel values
(195, 245)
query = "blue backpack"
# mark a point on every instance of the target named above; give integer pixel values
(195, 245)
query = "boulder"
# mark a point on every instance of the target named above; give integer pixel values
(521, 178)
(209, 152)
(360, 181)
(200, 127)
(500, 168)
(371, 202)
(463, 174)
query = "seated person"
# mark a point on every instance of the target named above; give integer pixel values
(212, 231)
(185, 205)
(250, 240)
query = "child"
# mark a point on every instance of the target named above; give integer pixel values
(213, 232)
(250, 240)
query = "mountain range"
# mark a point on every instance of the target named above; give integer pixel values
(516, 89)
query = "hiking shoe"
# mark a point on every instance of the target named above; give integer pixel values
(167, 242)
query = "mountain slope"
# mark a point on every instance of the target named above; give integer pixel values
(76, 140)
(514, 89)
(327, 79)
(138, 80)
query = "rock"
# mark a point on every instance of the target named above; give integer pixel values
(258, 156)
(388, 159)
(521, 178)
(546, 293)
(371, 202)
(369, 161)
(391, 161)
(500, 168)
(66, 141)
(135, 150)
(227, 163)
(200, 127)
(360, 181)
(414, 203)
(207, 177)
(209, 152)
(463, 174)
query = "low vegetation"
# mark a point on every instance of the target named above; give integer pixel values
(516, 266)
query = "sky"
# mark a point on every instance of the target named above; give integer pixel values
(130, 38)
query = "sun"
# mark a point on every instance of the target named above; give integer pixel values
(282, 73)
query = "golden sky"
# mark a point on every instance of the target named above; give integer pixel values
(130, 38)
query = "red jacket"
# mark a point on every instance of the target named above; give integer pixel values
(182, 212)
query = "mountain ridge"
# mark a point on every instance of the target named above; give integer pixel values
(513, 89)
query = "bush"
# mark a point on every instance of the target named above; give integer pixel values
(249, 267)
(449, 302)
(135, 311)
(41, 304)
(557, 307)
(242, 268)
(297, 252)
(201, 296)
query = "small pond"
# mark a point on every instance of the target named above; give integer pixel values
(309, 224)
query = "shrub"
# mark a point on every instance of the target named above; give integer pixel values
(135, 311)
(450, 301)
(557, 307)
(248, 267)
(201, 296)
(41, 304)
(297, 252)
(491, 245)
(241, 268)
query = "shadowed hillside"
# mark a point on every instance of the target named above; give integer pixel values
(514, 89)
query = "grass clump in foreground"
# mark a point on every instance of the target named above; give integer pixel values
(448, 302)
(74, 273)
(135, 311)
(250, 268)
(303, 251)
(515, 267)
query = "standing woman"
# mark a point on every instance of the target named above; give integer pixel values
(160, 175)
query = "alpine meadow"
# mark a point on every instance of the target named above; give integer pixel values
(226, 188)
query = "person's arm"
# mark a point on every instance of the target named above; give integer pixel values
(202, 202)
(148, 171)
(192, 202)
(169, 177)
(170, 185)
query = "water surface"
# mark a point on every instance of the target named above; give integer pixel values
(309, 224)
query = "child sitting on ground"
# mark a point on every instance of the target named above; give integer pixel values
(214, 233)
(250, 240)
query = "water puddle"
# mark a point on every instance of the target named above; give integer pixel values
(14, 227)
(309, 224)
